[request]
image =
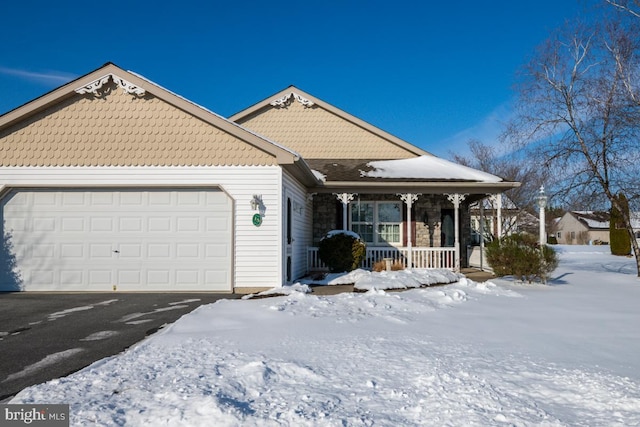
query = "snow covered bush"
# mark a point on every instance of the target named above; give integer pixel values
(519, 255)
(341, 250)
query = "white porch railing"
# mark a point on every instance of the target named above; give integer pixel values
(421, 257)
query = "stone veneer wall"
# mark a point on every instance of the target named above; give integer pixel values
(324, 215)
(427, 218)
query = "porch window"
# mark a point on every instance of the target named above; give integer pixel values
(377, 223)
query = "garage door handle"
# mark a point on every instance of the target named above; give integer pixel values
(116, 252)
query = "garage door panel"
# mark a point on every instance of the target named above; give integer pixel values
(214, 276)
(159, 250)
(190, 223)
(102, 278)
(131, 239)
(72, 251)
(129, 277)
(43, 224)
(130, 224)
(159, 278)
(73, 224)
(159, 224)
(101, 224)
(101, 198)
(72, 277)
(43, 278)
(46, 199)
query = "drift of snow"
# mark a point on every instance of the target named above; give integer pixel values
(494, 353)
(426, 167)
(402, 279)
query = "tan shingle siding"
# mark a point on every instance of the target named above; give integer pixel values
(122, 130)
(316, 133)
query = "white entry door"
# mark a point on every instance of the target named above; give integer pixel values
(106, 239)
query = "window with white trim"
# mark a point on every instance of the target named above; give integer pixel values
(377, 223)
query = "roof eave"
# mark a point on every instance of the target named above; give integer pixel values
(302, 172)
(435, 187)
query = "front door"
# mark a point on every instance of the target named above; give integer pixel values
(447, 230)
(289, 242)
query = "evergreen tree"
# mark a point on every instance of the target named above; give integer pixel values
(618, 233)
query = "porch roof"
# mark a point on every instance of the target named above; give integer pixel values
(363, 176)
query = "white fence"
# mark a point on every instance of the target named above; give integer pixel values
(421, 257)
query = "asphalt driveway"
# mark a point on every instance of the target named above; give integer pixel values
(50, 335)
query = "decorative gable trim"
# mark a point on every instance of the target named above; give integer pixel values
(287, 99)
(95, 85)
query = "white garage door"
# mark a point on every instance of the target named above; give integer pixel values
(133, 240)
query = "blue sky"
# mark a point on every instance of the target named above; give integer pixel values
(435, 73)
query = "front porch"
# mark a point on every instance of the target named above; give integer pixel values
(418, 231)
(417, 257)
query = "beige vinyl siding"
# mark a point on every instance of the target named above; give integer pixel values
(120, 129)
(257, 250)
(317, 133)
(302, 225)
(574, 232)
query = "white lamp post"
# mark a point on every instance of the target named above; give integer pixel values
(542, 203)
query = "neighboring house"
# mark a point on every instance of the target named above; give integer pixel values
(111, 182)
(583, 227)
(588, 227)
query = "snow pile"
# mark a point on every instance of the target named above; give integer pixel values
(461, 354)
(426, 167)
(401, 279)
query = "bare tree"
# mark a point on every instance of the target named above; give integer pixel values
(500, 160)
(508, 164)
(576, 114)
(632, 7)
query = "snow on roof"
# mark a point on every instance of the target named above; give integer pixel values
(600, 219)
(426, 167)
(593, 219)
(319, 175)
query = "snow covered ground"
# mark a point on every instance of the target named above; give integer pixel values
(495, 353)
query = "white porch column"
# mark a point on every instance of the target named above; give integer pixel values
(542, 203)
(345, 198)
(456, 199)
(499, 203)
(408, 199)
(496, 201)
(481, 204)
